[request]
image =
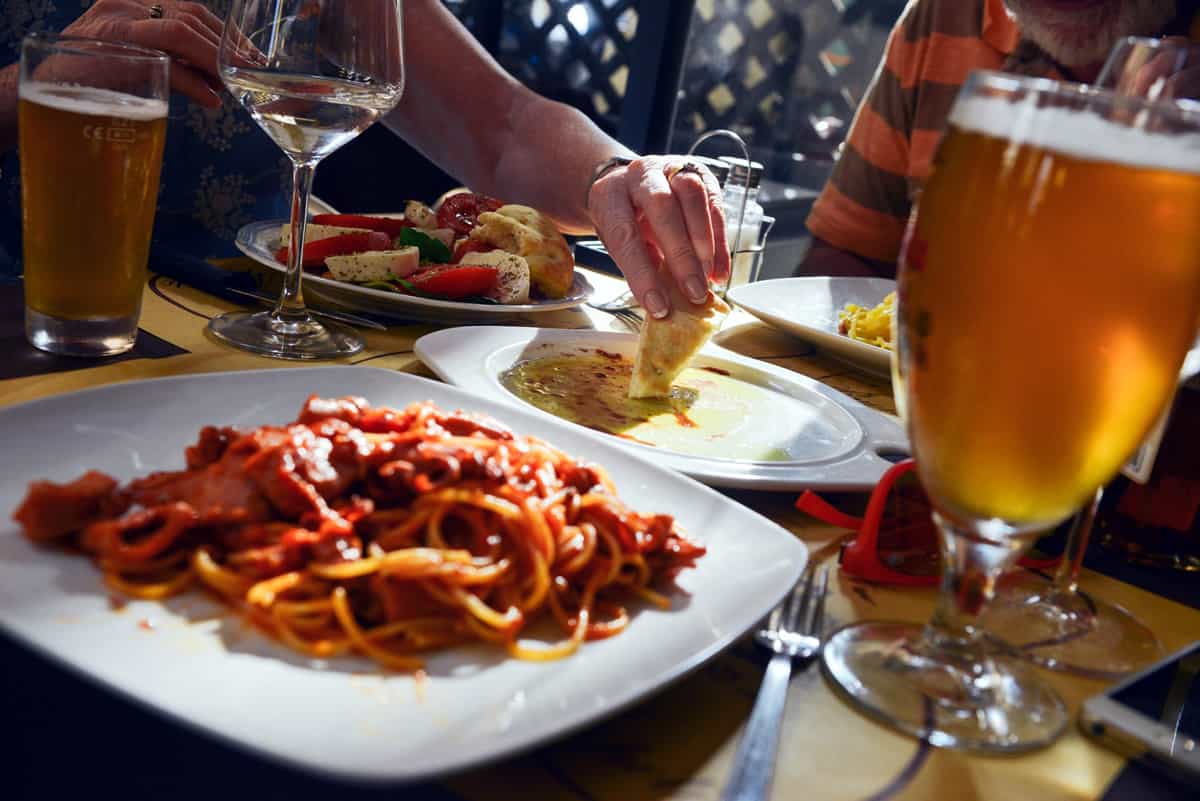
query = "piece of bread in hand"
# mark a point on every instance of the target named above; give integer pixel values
(665, 346)
(534, 237)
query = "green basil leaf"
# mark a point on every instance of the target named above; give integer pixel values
(411, 288)
(433, 250)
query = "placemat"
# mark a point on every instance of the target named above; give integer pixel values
(22, 359)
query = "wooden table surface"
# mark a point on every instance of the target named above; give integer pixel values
(679, 744)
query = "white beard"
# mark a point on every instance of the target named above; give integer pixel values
(1084, 37)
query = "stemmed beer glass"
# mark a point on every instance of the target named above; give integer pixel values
(1049, 290)
(313, 74)
(1152, 69)
(1054, 624)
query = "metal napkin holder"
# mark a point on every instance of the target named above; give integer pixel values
(754, 249)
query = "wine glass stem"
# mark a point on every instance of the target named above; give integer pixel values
(291, 301)
(1067, 578)
(971, 567)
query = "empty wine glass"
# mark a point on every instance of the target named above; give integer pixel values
(1058, 626)
(1153, 69)
(314, 74)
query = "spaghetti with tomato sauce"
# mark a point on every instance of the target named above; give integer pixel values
(386, 532)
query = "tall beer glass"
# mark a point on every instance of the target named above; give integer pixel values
(1049, 290)
(1055, 624)
(92, 118)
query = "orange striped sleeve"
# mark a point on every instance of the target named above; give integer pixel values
(852, 227)
(999, 29)
(879, 142)
(924, 146)
(890, 147)
(937, 58)
(864, 204)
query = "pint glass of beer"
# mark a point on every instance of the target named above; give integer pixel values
(92, 121)
(1049, 289)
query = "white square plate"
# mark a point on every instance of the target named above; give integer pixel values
(808, 308)
(195, 661)
(833, 441)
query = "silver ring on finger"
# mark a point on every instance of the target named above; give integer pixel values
(686, 167)
(156, 11)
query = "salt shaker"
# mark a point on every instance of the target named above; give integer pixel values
(742, 185)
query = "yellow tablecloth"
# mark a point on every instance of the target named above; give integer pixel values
(679, 744)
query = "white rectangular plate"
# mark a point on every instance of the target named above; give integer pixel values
(836, 442)
(808, 308)
(193, 660)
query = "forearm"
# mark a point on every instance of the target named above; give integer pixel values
(478, 123)
(8, 108)
(541, 153)
(549, 139)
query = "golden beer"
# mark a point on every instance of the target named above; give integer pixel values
(1050, 290)
(90, 161)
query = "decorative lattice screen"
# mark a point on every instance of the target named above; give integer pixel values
(786, 74)
(577, 51)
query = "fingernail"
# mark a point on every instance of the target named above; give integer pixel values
(655, 303)
(695, 288)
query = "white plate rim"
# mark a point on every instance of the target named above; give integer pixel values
(570, 723)
(459, 356)
(762, 298)
(251, 240)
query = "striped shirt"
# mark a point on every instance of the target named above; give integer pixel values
(887, 155)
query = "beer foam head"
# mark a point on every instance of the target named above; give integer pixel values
(1078, 133)
(94, 102)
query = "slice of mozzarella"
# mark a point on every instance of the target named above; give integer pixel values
(375, 265)
(314, 232)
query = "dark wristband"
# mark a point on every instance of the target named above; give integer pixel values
(602, 169)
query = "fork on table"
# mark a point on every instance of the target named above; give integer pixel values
(793, 634)
(630, 317)
(624, 307)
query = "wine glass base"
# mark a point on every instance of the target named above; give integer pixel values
(302, 339)
(895, 674)
(1071, 632)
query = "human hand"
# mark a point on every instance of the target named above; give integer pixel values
(662, 222)
(188, 32)
(1173, 74)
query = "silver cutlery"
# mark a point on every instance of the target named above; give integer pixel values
(343, 317)
(624, 307)
(793, 634)
(631, 318)
(625, 300)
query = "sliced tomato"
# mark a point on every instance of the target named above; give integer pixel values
(456, 281)
(392, 226)
(461, 212)
(318, 250)
(464, 246)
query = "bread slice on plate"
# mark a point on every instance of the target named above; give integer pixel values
(533, 236)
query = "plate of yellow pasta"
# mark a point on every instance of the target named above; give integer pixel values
(850, 318)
